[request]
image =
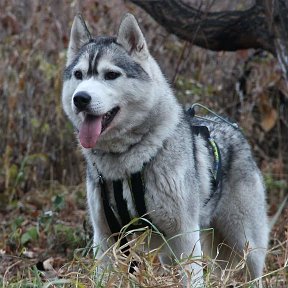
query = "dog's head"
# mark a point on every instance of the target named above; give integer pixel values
(108, 81)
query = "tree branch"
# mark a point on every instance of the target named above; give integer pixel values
(280, 29)
(227, 30)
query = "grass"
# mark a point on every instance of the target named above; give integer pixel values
(80, 272)
(51, 247)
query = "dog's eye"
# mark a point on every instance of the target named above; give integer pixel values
(110, 75)
(78, 75)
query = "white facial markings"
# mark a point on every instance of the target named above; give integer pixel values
(82, 65)
(102, 96)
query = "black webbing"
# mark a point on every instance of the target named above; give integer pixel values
(138, 191)
(121, 203)
(201, 130)
(112, 221)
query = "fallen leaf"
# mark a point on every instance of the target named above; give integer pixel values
(269, 119)
(269, 115)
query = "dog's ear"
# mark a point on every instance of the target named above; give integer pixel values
(78, 37)
(131, 37)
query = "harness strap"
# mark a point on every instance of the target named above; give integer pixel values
(137, 189)
(121, 203)
(113, 223)
(216, 172)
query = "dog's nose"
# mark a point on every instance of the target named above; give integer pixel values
(81, 100)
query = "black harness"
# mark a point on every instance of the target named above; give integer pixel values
(137, 188)
(136, 184)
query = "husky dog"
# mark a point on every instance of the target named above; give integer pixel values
(128, 121)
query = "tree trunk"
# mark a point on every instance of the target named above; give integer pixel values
(264, 26)
(227, 30)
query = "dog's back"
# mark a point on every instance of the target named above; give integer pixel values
(238, 214)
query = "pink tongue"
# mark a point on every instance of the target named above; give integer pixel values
(90, 131)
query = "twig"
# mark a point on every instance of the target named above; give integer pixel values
(274, 219)
(7, 270)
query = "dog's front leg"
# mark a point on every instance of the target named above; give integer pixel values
(100, 228)
(186, 245)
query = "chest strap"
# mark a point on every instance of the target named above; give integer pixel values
(137, 189)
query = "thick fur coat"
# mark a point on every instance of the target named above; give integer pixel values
(128, 119)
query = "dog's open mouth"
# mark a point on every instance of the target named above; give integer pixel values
(108, 118)
(94, 125)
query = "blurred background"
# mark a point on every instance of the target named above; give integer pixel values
(41, 167)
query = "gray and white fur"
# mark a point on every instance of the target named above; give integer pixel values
(150, 127)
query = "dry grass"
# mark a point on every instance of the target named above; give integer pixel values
(84, 271)
(60, 254)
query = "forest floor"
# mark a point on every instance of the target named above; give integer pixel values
(45, 240)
